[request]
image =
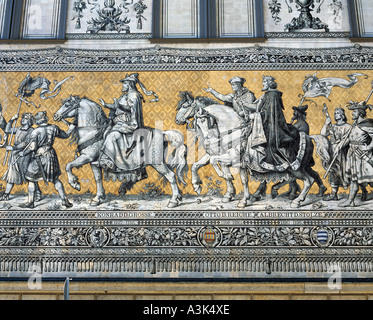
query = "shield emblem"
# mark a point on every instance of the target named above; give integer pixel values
(322, 236)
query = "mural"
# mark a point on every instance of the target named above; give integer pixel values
(147, 169)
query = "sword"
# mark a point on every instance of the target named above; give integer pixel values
(40, 165)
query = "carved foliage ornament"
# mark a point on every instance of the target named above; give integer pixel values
(305, 20)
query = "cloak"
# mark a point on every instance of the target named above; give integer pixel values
(282, 138)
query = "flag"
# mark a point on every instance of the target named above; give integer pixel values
(29, 85)
(314, 87)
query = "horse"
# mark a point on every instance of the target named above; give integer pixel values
(214, 122)
(224, 130)
(92, 123)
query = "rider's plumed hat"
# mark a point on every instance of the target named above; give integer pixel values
(237, 79)
(132, 77)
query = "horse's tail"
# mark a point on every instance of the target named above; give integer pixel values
(323, 149)
(177, 160)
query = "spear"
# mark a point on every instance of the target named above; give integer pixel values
(341, 144)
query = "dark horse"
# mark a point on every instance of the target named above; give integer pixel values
(92, 123)
(215, 123)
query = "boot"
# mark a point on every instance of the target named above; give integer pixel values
(66, 203)
(27, 205)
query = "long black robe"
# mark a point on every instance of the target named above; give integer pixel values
(282, 138)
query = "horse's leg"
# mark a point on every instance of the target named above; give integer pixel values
(316, 177)
(80, 161)
(245, 201)
(276, 187)
(196, 180)
(226, 161)
(260, 192)
(231, 191)
(171, 177)
(307, 181)
(364, 192)
(100, 192)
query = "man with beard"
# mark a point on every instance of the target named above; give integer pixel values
(17, 165)
(239, 99)
(117, 157)
(359, 167)
(336, 133)
(282, 139)
(44, 164)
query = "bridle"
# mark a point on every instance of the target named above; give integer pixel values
(72, 107)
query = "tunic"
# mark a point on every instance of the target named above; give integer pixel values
(359, 162)
(44, 157)
(17, 165)
(337, 175)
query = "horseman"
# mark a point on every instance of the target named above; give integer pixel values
(273, 144)
(239, 99)
(117, 155)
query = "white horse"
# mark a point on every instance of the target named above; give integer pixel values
(89, 135)
(220, 131)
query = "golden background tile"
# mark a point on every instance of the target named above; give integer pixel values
(167, 84)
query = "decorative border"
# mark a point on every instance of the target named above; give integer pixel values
(312, 35)
(167, 59)
(192, 244)
(108, 36)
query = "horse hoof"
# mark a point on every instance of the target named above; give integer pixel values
(244, 204)
(198, 189)
(295, 205)
(227, 199)
(241, 205)
(292, 196)
(173, 204)
(274, 194)
(95, 202)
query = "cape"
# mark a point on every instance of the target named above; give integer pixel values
(282, 138)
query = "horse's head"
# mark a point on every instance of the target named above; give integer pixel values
(204, 122)
(185, 108)
(68, 109)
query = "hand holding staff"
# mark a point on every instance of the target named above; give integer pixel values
(344, 140)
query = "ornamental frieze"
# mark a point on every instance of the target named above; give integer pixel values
(163, 163)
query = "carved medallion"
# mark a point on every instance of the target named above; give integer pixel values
(209, 237)
(97, 237)
(322, 236)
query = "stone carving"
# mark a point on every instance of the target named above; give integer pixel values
(337, 8)
(158, 59)
(140, 8)
(109, 18)
(79, 7)
(305, 19)
(275, 8)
